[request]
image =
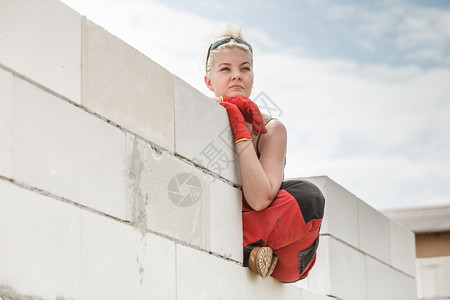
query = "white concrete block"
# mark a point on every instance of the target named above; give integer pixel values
(158, 267)
(226, 220)
(40, 253)
(384, 282)
(347, 270)
(311, 295)
(374, 237)
(204, 276)
(341, 210)
(126, 87)
(168, 195)
(54, 249)
(403, 248)
(380, 280)
(42, 40)
(202, 132)
(408, 288)
(64, 150)
(340, 271)
(6, 122)
(269, 288)
(119, 262)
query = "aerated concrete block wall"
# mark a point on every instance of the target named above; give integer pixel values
(108, 191)
(362, 253)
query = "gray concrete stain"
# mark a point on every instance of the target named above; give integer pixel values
(139, 199)
(136, 167)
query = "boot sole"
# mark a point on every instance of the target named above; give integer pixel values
(264, 261)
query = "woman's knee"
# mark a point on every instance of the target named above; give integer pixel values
(309, 198)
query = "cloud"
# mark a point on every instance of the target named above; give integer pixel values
(405, 31)
(378, 130)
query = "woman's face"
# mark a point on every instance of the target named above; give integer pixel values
(231, 73)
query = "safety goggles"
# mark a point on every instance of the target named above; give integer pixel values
(224, 40)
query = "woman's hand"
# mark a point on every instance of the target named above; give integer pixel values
(250, 111)
(237, 122)
(261, 178)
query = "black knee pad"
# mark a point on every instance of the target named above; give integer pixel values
(309, 198)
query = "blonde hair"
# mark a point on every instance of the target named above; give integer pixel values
(230, 31)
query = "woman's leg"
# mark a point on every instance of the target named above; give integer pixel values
(289, 226)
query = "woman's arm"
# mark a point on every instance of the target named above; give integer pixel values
(261, 179)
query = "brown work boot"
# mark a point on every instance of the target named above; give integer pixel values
(262, 261)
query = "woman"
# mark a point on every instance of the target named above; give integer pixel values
(281, 220)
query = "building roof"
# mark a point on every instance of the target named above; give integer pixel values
(424, 219)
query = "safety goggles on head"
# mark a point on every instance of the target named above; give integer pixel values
(225, 40)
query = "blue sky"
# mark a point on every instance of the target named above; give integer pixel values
(363, 87)
(392, 32)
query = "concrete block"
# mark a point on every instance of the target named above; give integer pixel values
(226, 220)
(341, 211)
(158, 268)
(340, 271)
(302, 284)
(380, 280)
(384, 282)
(204, 276)
(311, 295)
(64, 150)
(120, 262)
(53, 249)
(403, 248)
(269, 288)
(126, 87)
(168, 195)
(40, 240)
(42, 40)
(374, 237)
(202, 132)
(6, 122)
(408, 286)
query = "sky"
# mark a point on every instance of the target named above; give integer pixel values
(363, 87)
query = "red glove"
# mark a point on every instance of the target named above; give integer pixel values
(251, 113)
(237, 122)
